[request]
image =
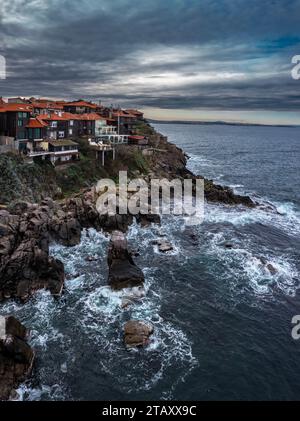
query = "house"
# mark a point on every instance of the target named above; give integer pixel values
(58, 125)
(44, 106)
(79, 107)
(17, 100)
(14, 117)
(124, 122)
(63, 151)
(106, 133)
(36, 131)
(138, 114)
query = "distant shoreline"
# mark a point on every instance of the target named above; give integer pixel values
(220, 123)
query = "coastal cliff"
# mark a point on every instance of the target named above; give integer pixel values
(41, 204)
(30, 182)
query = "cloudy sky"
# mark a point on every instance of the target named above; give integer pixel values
(176, 59)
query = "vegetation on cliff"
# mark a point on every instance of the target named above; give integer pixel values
(33, 182)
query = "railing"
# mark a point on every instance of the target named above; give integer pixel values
(38, 153)
(65, 152)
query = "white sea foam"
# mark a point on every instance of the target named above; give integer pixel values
(262, 272)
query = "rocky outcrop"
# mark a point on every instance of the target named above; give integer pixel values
(16, 356)
(137, 333)
(163, 245)
(26, 231)
(171, 163)
(223, 194)
(25, 265)
(123, 272)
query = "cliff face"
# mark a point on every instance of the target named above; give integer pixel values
(22, 181)
(34, 182)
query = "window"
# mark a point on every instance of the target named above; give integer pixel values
(24, 115)
(70, 132)
(71, 122)
(61, 135)
(54, 124)
(20, 123)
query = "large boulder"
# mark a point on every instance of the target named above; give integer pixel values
(123, 272)
(137, 333)
(16, 356)
(28, 269)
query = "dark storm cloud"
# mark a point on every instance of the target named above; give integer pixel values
(170, 54)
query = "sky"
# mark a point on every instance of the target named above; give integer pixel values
(175, 59)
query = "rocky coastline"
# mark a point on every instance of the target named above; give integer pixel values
(27, 229)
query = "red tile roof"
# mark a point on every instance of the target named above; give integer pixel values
(134, 112)
(16, 107)
(91, 116)
(80, 104)
(35, 123)
(53, 117)
(44, 105)
(123, 114)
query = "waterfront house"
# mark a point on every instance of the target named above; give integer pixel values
(36, 131)
(17, 100)
(138, 114)
(44, 106)
(14, 119)
(79, 107)
(124, 122)
(63, 151)
(58, 125)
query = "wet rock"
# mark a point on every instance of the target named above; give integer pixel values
(28, 269)
(272, 269)
(137, 333)
(147, 220)
(66, 231)
(134, 253)
(263, 260)
(163, 245)
(123, 272)
(16, 356)
(223, 194)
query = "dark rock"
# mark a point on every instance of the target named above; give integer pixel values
(164, 246)
(137, 333)
(272, 269)
(222, 194)
(134, 253)
(147, 220)
(123, 272)
(16, 357)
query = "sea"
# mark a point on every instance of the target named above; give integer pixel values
(222, 320)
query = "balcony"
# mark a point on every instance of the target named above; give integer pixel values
(65, 152)
(39, 152)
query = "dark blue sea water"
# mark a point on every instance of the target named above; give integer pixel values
(222, 320)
